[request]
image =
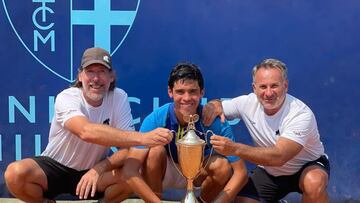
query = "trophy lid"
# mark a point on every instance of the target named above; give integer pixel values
(191, 138)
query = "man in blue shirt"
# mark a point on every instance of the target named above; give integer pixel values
(220, 180)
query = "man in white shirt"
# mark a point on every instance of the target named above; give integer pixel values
(90, 117)
(288, 150)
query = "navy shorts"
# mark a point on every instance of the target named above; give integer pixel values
(267, 188)
(60, 179)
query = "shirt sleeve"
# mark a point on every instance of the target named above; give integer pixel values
(149, 123)
(233, 106)
(300, 127)
(66, 107)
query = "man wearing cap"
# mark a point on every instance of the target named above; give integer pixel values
(89, 117)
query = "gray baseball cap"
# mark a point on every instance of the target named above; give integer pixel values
(96, 55)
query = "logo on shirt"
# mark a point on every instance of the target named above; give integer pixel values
(107, 121)
(277, 133)
(56, 33)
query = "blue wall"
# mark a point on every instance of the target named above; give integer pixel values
(318, 40)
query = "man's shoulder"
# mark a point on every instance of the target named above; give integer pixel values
(219, 127)
(251, 97)
(161, 111)
(116, 97)
(293, 99)
(69, 92)
(296, 112)
(296, 104)
(247, 99)
(118, 92)
(156, 118)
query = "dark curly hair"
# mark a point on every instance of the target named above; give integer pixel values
(185, 71)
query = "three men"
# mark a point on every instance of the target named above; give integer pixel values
(89, 116)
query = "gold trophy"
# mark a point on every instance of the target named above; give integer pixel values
(190, 151)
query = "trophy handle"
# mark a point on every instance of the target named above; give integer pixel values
(206, 135)
(171, 156)
(208, 143)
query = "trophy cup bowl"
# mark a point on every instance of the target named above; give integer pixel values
(190, 159)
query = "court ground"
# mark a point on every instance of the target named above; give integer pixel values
(11, 200)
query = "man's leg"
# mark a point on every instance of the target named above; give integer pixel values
(248, 194)
(263, 187)
(114, 187)
(154, 169)
(214, 178)
(245, 200)
(313, 183)
(26, 180)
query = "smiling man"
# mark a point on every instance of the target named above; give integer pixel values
(90, 117)
(288, 150)
(220, 180)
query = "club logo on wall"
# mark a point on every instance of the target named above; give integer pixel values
(55, 33)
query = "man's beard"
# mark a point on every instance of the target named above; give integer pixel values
(95, 97)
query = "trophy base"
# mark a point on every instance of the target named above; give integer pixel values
(190, 197)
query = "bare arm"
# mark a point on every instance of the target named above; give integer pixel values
(89, 181)
(236, 182)
(277, 155)
(133, 177)
(109, 136)
(211, 110)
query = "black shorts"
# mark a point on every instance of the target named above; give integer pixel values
(60, 179)
(267, 188)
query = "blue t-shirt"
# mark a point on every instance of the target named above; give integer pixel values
(164, 116)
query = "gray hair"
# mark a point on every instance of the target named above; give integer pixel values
(271, 63)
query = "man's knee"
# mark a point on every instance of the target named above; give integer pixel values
(155, 165)
(117, 175)
(22, 172)
(15, 176)
(314, 182)
(14, 172)
(157, 152)
(219, 167)
(156, 157)
(117, 192)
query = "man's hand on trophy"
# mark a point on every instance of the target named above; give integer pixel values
(159, 136)
(223, 145)
(211, 110)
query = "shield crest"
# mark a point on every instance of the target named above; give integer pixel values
(56, 33)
